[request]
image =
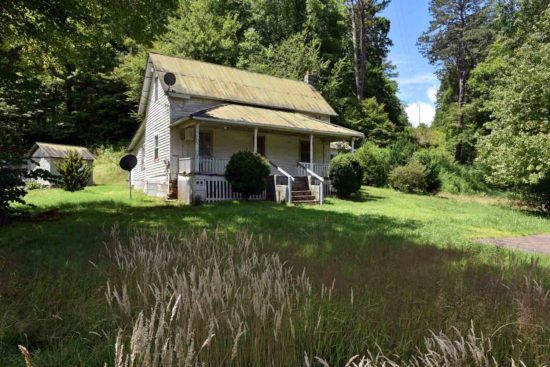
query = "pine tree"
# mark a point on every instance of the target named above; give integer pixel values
(74, 172)
(457, 39)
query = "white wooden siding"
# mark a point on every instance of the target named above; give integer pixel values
(138, 173)
(183, 107)
(157, 123)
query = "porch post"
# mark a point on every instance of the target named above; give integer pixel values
(311, 151)
(353, 145)
(197, 135)
(255, 140)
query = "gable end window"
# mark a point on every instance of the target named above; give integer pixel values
(156, 147)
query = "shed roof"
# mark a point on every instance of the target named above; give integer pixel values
(273, 119)
(229, 84)
(50, 150)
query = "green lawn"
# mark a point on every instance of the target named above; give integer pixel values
(400, 253)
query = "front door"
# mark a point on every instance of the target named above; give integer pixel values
(205, 144)
(304, 152)
(261, 145)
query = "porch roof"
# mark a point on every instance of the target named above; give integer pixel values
(273, 119)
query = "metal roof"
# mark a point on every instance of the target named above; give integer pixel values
(273, 119)
(50, 150)
(229, 84)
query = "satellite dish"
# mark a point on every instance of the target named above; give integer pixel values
(170, 79)
(128, 162)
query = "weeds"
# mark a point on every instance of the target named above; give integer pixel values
(206, 300)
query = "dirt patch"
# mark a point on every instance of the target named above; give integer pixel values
(539, 243)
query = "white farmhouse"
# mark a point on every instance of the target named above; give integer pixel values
(47, 155)
(190, 130)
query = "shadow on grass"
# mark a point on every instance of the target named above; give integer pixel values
(401, 288)
(360, 197)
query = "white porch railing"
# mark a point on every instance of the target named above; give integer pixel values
(186, 165)
(212, 165)
(219, 189)
(319, 168)
(215, 166)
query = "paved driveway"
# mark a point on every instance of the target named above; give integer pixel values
(537, 243)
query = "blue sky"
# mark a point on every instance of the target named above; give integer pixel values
(417, 81)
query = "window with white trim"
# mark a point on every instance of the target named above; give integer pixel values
(156, 148)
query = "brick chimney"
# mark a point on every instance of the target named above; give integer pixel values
(310, 78)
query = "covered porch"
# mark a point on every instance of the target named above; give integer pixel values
(296, 146)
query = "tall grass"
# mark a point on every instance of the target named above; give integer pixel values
(106, 168)
(207, 300)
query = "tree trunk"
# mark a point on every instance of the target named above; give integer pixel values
(460, 124)
(363, 54)
(355, 42)
(461, 81)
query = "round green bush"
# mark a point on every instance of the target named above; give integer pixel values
(409, 178)
(247, 173)
(375, 164)
(345, 174)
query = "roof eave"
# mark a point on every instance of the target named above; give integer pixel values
(173, 94)
(137, 136)
(352, 134)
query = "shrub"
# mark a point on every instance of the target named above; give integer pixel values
(411, 177)
(247, 173)
(401, 151)
(462, 179)
(33, 185)
(433, 160)
(74, 172)
(375, 164)
(345, 174)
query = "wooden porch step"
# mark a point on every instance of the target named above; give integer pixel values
(301, 192)
(305, 202)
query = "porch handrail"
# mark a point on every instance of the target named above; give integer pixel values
(282, 171)
(290, 180)
(311, 172)
(321, 179)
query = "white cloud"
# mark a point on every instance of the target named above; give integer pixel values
(420, 112)
(425, 78)
(431, 92)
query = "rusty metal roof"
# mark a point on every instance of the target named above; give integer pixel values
(50, 150)
(273, 119)
(229, 84)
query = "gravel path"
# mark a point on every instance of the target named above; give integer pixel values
(537, 243)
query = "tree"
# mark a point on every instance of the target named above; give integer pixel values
(373, 121)
(457, 39)
(365, 24)
(74, 172)
(247, 173)
(517, 149)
